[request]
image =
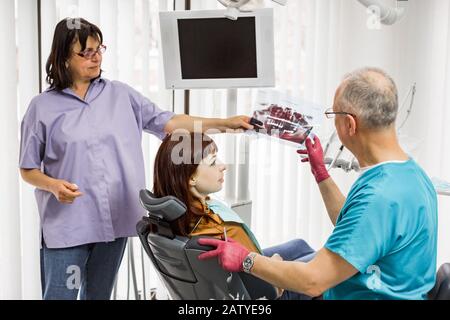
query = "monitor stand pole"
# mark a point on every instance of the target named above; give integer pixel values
(237, 174)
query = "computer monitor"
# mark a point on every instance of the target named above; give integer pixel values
(204, 49)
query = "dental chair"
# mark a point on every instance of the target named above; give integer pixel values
(441, 290)
(175, 259)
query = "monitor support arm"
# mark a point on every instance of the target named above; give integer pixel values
(235, 6)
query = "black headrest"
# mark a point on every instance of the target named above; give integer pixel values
(167, 208)
(441, 290)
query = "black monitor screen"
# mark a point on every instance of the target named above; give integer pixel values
(216, 48)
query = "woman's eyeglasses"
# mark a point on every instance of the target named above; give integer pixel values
(330, 114)
(90, 53)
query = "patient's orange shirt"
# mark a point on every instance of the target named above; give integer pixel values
(212, 225)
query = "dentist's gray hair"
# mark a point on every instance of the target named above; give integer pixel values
(371, 95)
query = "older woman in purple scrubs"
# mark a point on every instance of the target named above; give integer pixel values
(81, 149)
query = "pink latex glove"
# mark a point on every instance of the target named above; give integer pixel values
(230, 253)
(315, 158)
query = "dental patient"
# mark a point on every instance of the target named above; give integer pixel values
(187, 167)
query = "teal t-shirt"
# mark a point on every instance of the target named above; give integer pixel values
(387, 230)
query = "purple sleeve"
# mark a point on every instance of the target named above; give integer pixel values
(153, 119)
(31, 148)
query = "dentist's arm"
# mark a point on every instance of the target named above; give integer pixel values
(332, 197)
(192, 124)
(325, 271)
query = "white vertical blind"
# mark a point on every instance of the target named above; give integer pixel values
(28, 86)
(108, 25)
(10, 244)
(90, 9)
(48, 18)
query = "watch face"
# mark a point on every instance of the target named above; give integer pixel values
(248, 263)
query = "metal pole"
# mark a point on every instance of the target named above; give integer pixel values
(187, 93)
(133, 269)
(231, 174)
(143, 273)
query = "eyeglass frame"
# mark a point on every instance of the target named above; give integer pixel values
(100, 50)
(329, 113)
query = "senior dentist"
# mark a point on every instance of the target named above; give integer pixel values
(384, 244)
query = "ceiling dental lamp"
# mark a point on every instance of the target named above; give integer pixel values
(388, 15)
(236, 6)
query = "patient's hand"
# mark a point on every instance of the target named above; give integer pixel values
(277, 257)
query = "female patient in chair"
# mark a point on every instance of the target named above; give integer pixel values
(187, 167)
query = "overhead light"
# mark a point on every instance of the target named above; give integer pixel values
(388, 15)
(234, 7)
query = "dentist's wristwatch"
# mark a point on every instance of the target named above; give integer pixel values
(247, 264)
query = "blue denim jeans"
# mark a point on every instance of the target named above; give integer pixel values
(90, 269)
(294, 250)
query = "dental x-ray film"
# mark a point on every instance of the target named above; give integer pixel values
(285, 118)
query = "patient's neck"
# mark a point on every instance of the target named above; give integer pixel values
(199, 196)
(202, 200)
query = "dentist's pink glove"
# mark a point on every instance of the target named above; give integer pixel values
(315, 158)
(230, 254)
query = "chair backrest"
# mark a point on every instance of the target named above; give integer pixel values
(441, 290)
(175, 258)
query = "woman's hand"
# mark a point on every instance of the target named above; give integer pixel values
(240, 123)
(65, 192)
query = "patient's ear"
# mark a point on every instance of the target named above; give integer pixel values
(192, 182)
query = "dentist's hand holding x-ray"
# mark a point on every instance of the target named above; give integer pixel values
(315, 158)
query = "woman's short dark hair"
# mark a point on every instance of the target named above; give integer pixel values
(67, 32)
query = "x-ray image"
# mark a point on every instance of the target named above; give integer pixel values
(283, 117)
(283, 122)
